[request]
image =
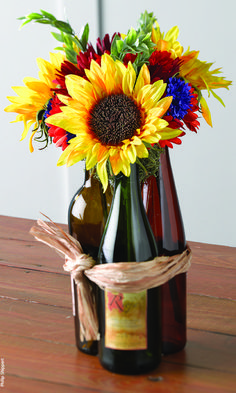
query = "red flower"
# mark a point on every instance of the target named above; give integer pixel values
(59, 136)
(104, 46)
(67, 68)
(83, 62)
(190, 119)
(84, 59)
(162, 66)
(175, 124)
(129, 57)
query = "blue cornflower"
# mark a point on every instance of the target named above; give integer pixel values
(181, 93)
(49, 108)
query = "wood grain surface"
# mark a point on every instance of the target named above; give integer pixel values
(37, 345)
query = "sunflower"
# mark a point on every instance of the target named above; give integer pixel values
(34, 96)
(191, 69)
(114, 115)
(200, 76)
(167, 42)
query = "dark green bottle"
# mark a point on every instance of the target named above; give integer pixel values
(130, 324)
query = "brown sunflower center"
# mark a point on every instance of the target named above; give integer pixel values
(115, 118)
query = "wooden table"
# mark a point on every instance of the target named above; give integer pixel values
(37, 347)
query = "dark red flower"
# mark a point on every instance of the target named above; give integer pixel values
(67, 68)
(174, 124)
(162, 66)
(169, 142)
(83, 62)
(84, 59)
(104, 46)
(129, 57)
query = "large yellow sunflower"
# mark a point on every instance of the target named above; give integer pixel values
(35, 94)
(112, 114)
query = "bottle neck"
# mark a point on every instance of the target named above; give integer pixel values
(173, 229)
(88, 178)
(128, 187)
(127, 236)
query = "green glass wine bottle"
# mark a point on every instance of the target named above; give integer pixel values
(86, 220)
(130, 325)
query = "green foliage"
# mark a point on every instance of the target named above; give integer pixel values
(150, 166)
(146, 22)
(136, 42)
(71, 43)
(42, 130)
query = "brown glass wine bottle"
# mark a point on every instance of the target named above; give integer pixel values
(130, 335)
(86, 220)
(163, 211)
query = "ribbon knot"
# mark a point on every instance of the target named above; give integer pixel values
(124, 277)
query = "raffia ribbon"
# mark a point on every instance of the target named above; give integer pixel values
(119, 277)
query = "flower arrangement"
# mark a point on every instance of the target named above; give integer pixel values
(116, 103)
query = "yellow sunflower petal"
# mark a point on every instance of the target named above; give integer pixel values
(26, 128)
(78, 87)
(129, 80)
(167, 42)
(31, 148)
(116, 163)
(169, 133)
(143, 79)
(102, 173)
(142, 151)
(205, 111)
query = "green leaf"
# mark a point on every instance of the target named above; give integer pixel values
(71, 55)
(84, 37)
(119, 45)
(143, 47)
(114, 51)
(43, 21)
(58, 37)
(48, 15)
(25, 23)
(60, 48)
(77, 42)
(131, 37)
(68, 41)
(147, 144)
(63, 26)
(34, 15)
(146, 22)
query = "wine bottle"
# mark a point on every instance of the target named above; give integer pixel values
(86, 220)
(163, 211)
(130, 326)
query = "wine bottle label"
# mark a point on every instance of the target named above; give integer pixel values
(126, 320)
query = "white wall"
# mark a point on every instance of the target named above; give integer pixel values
(31, 182)
(204, 165)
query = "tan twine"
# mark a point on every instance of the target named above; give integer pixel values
(123, 277)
